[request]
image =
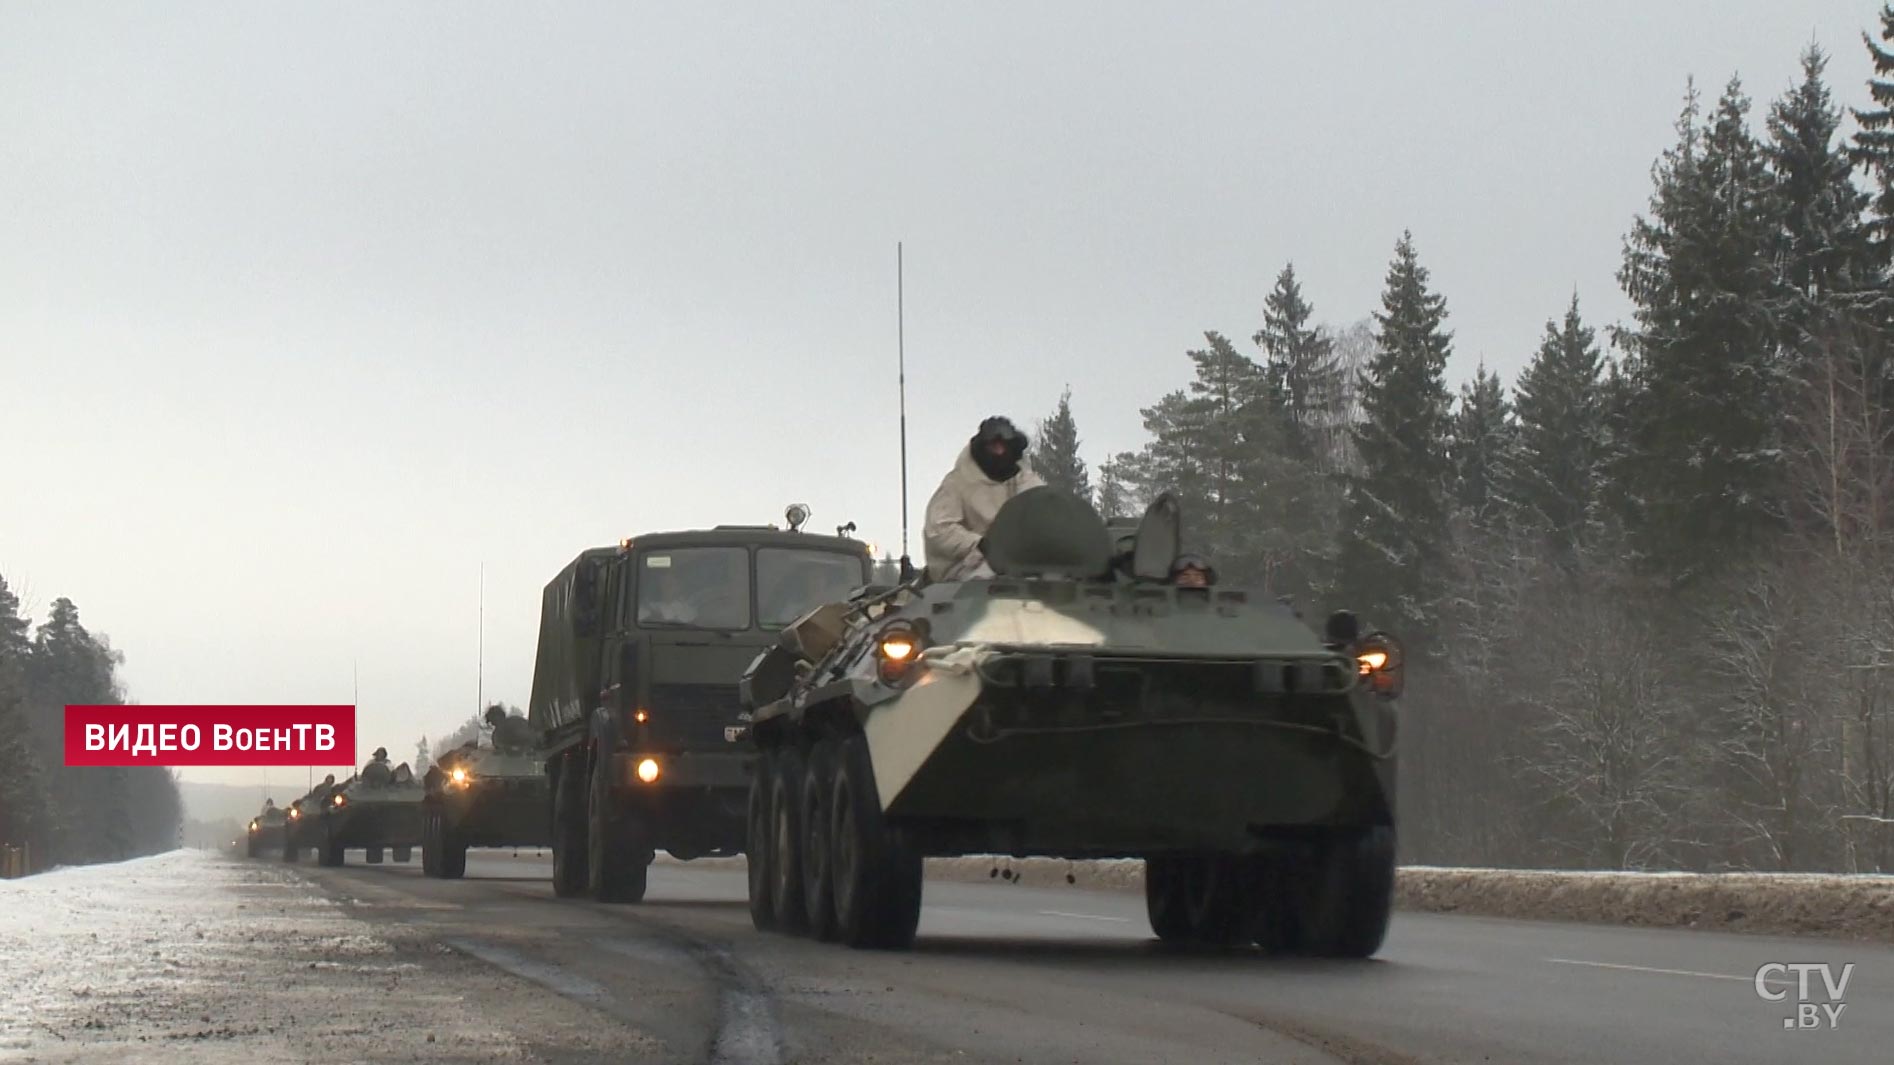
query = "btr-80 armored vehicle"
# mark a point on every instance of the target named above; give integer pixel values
(266, 830)
(380, 807)
(302, 824)
(1078, 704)
(492, 796)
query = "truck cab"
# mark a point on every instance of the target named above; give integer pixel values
(635, 690)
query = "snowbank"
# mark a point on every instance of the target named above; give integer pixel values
(1815, 904)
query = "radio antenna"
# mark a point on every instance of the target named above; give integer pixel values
(480, 662)
(901, 347)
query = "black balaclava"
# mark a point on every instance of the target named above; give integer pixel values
(998, 467)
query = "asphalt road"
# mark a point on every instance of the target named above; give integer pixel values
(1014, 973)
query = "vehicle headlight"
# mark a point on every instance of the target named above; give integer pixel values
(458, 777)
(648, 770)
(1378, 662)
(896, 650)
(295, 813)
(339, 801)
(253, 826)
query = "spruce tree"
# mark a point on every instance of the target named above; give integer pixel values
(1822, 244)
(1395, 537)
(1481, 445)
(1873, 148)
(1055, 452)
(1303, 374)
(1113, 500)
(1704, 453)
(1552, 483)
(23, 813)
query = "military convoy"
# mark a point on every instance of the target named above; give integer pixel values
(378, 809)
(750, 689)
(634, 691)
(1077, 705)
(491, 796)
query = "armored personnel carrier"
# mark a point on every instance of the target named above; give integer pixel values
(378, 808)
(302, 822)
(491, 796)
(1078, 704)
(266, 830)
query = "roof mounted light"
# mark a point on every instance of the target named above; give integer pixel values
(796, 515)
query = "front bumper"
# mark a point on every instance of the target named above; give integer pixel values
(684, 770)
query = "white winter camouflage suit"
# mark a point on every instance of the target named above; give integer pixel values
(961, 511)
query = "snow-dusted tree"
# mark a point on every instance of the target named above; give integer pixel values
(1112, 499)
(23, 813)
(1873, 147)
(423, 758)
(1552, 482)
(1302, 370)
(1481, 443)
(1055, 451)
(1396, 529)
(1822, 244)
(1705, 456)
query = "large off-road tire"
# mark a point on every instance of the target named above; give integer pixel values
(1216, 899)
(570, 875)
(786, 839)
(430, 842)
(403, 855)
(329, 851)
(818, 883)
(1164, 897)
(876, 872)
(452, 863)
(616, 842)
(1340, 893)
(291, 852)
(758, 846)
(372, 855)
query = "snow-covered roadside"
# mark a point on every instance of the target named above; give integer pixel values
(193, 955)
(1815, 904)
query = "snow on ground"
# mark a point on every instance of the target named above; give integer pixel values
(194, 956)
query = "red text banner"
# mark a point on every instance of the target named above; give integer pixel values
(210, 735)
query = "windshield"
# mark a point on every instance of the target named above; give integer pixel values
(790, 582)
(702, 587)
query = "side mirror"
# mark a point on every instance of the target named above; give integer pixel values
(1342, 629)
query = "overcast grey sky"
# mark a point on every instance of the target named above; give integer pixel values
(305, 313)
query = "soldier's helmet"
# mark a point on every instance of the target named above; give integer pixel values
(494, 715)
(376, 774)
(268, 803)
(381, 754)
(328, 781)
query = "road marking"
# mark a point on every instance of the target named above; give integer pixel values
(1084, 916)
(1667, 972)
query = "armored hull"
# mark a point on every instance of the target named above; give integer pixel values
(1078, 705)
(376, 810)
(485, 796)
(265, 832)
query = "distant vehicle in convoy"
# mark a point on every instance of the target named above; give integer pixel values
(1078, 704)
(377, 809)
(491, 796)
(302, 824)
(634, 692)
(266, 830)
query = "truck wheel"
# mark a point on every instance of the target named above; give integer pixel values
(430, 843)
(786, 841)
(615, 842)
(876, 872)
(404, 855)
(570, 876)
(1343, 894)
(372, 856)
(1215, 900)
(818, 885)
(452, 864)
(758, 846)
(1164, 897)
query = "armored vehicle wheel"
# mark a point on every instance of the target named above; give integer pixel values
(786, 841)
(1341, 893)
(450, 850)
(1164, 897)
(570, 876)
(404, 855)
(615, 844)
(430, 844)
(758, 846)
(876, 873)
(291, 852)
(818, 886)
(329, 853)
(1215, 899)
(372, 856)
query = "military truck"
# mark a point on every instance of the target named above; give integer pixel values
(302, 825)
(377, 809)
(266, 830)
(635, 696)
(1078, 704)
(491, 796)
